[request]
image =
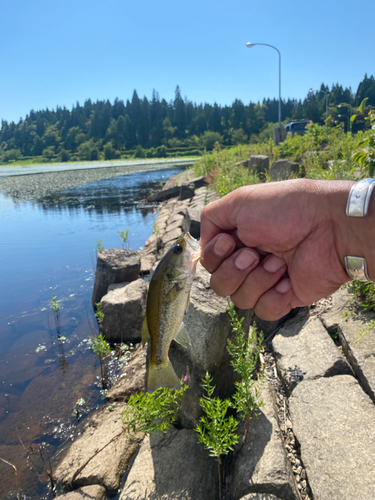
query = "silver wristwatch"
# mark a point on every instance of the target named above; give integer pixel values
(357, 206)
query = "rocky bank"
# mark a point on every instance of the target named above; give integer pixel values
(315, 435)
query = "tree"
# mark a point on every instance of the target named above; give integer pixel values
(209, 139)
(179, 115)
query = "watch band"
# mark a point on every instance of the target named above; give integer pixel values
(357, 206)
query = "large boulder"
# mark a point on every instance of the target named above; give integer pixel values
(193, 222)
(124, 307)
(173, 467)
(93, 492)
(259, 165)
(114, 266)
(261, 465)
(282, 170)
(304, 350)
(334, 423)
(107, 465)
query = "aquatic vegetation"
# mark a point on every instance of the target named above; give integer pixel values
(153, 413)
(124, 235)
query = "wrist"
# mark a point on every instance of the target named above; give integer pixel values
(356, 234)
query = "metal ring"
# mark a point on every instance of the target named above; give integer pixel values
(356, 267)
(359, 198)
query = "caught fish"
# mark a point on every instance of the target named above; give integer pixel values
(167, 300)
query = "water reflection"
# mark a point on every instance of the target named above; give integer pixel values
(46, 247)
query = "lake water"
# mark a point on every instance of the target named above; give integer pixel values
(47, 249)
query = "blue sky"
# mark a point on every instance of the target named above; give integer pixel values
(57, 52)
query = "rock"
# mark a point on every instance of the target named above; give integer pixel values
(199, 181)
(124, 307)
(270, 327)
(260, 496)
(165, 194)
(261, 465)
(193, 222)
(278, 135)
(149, 252)
(170, 237)
(334, 422)
(110, 464)
(134, 379)
(284, 169)
(358, 348)
(172, 467)
(186, 191)
(207, 323)
(93, 492)
(114, 266)
(303, 350)
(259, 165)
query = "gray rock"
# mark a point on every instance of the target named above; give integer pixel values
(110, 464)
(334, 422)
(278, 135)
(193, 222)
(150, 251)
(199, 181)
(303, 350)
(186, 191)
(260, 496)
(114, 266)
(132, 379)
(172, 467)
(207, 323)
(165, 194)
(261, 466)
(124, 307)
(169, 237)
(259, 165)
(358, 345)
(284, 169)
(94, 492)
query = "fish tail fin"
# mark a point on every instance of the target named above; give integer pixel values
(161, 375)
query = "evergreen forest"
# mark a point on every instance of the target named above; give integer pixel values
(155, 128)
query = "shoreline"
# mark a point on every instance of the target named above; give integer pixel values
(42, 168)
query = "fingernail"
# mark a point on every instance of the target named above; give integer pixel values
(223, 246)
(245, 259)
(284, 285)
(273, 264)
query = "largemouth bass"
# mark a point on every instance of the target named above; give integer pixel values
(167, 301)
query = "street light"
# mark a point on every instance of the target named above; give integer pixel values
(326, 93)
(350, 113)
(348, 124)
(249, 44)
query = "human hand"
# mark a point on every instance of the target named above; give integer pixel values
(276, 246)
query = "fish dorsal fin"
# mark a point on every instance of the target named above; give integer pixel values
(145, 332)
(182, 336)
(187, 302)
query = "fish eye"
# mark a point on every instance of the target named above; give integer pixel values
(177, 249)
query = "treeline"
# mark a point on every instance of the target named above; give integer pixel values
(157, 128)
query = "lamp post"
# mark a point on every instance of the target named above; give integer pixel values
(350, 114)
(348, 124)
(249, 44)
(326, 93)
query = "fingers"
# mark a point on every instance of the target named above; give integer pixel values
(216, 251)
(258, 282)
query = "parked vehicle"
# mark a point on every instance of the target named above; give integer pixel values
(297, 127)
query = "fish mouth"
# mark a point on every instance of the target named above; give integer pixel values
(193, 246)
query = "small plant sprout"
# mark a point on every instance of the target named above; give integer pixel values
(101, 349)
(55, 305)
(155, 229)
(99, 315)
(217, 431)
(153, 412)
(124, 236)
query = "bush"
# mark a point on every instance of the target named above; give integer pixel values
(161, 152)
(139, 152)
(109, 151)
(64, 155)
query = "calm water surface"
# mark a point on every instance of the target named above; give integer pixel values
(47, 249)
